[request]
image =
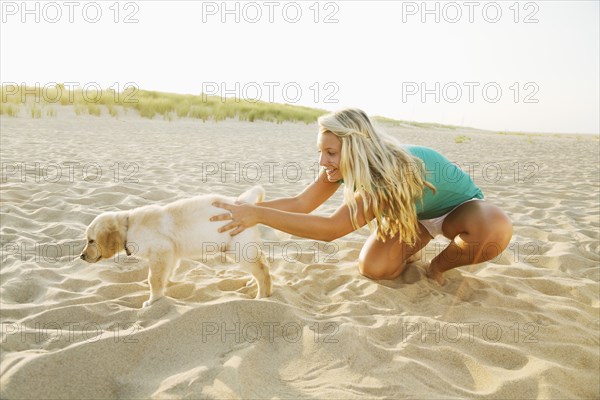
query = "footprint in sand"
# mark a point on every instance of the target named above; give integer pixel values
(180, 290)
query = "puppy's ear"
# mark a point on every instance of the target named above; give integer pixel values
(116, 241)
(110, 239)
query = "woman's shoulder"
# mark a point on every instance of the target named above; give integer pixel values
(428, 155)
(418, 151)
(415, 147)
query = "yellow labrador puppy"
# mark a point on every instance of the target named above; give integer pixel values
(165, 234)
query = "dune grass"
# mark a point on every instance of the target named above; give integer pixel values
(12, 110)
(151, 104)
(51, 112)
(35, 111)
(429, 125)
(41, 102)
(520, 134)
(462, 139)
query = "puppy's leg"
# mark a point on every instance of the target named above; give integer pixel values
(169, 273)
(263, 279)
(160, 269)
(259, 269)
(252, 259)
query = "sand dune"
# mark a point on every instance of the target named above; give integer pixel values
(525, 325)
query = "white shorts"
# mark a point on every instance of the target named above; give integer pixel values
(434, 225)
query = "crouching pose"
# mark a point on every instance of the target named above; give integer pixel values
(399, 186)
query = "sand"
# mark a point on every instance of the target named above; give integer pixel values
(525, 325)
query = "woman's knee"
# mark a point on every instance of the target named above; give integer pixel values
(500, 231)
(364, 268)
(377, 271)
(496, 235)
(387, 260)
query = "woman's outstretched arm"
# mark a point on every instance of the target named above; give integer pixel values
(308, 200)
(316, 227)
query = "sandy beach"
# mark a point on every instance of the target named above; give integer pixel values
(525, 325)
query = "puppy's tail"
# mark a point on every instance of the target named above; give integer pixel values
(253, 195)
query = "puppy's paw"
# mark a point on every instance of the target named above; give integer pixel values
(150, 301)
(264, 291)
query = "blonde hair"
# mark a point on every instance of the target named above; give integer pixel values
(374, 165)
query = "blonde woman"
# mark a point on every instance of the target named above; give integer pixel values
(412, 193)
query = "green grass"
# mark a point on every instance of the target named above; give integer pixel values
(93, 109)
(35, 111)
(520, 134)
(12, 110)
(112, 110)
(529, 136)
(80, 109)
(430, 125)
(462, 139)
(151, 104)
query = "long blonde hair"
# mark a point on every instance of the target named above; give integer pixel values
(374, 165)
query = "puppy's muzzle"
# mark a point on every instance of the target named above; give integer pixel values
(85, 256)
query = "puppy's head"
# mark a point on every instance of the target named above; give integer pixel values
(105, 237)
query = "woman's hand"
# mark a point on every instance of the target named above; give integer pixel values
(242, 216)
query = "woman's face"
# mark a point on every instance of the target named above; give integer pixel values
(330, 153)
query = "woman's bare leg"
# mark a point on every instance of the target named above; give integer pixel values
(386, 260)
(479, 231)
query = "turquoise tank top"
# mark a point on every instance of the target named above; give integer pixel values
(453, 185)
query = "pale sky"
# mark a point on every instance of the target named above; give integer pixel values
(376, 55)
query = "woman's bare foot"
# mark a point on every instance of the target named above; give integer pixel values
(435, 275)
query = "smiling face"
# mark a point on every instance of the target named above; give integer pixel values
(330, 154)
